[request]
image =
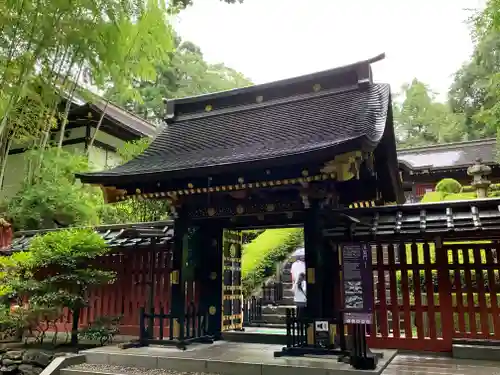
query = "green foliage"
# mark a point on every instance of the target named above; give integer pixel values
(186, 74)
(103, 329)
(53, 195)
(473, 91)
(260, 257)
(250, 235)
(132, 149)
(134, 211)
(449, 186)
(56, 272)
(420, 119)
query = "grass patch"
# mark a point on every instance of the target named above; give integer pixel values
(261, 255)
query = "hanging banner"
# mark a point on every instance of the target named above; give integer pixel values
(357, 280)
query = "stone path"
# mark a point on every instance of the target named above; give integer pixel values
(422, 365)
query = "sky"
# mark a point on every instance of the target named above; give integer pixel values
(267, 40)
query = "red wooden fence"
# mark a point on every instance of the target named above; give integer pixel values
(425, 297)
(129, 292)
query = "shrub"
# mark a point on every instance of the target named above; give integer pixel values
(449, 186)
(103, 329)
(261, 255)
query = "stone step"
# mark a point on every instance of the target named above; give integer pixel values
(273, 319)
(478, 352)
(266, 325)
(276, 310)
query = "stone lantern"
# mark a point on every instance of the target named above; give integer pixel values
(480, 182)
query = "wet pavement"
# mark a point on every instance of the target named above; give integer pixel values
(404, 364)
(228, 358)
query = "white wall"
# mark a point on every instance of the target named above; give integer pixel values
(99, 158)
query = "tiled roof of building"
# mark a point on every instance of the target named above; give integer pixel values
(212, 132)
(114, 235)
(450, 155)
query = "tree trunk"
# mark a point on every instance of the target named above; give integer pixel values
(68, 107)
(74, 326)
(91, 143)
(4, 161)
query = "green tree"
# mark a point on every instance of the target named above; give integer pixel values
(474, 93)
(45, 47)
(134, 211)
(420, 119)
(186, 74)
(58, 270)
(54, 197)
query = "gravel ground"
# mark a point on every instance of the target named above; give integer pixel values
(132, 370)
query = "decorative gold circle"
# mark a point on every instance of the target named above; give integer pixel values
(240, 209)
(212, 310)
(259, 99)
(211, 211)
(232, 251)
(316, 87)
(190, 185)
(213, 275)
(208, 108)
(138, 191)
(241, 180)
(270, 207)
(305, 173)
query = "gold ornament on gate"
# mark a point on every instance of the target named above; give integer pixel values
(212, 310)
(213, 275)
(240, 209)
(232, 251)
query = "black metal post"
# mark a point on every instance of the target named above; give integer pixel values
(151, 291)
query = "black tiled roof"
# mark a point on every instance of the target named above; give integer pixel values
(479, 218)
(308, 124)
(451, 155)
(114, 235)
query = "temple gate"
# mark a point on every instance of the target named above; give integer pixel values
(273, 155)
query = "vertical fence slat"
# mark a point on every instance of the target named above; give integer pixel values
(471, 311)
(393, 292)
(493, 294)
(481, 292)
(382, 311)
(431, 317)
(460, 309)
(415, 265)
(445, 297)
(405, 290)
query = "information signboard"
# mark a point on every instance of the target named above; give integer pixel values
(357, 280)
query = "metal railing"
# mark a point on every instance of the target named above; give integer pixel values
(272, 293)
(182, 330)
(252, 310)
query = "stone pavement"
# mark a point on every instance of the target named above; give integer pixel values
(404, 364)
(226, 358)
